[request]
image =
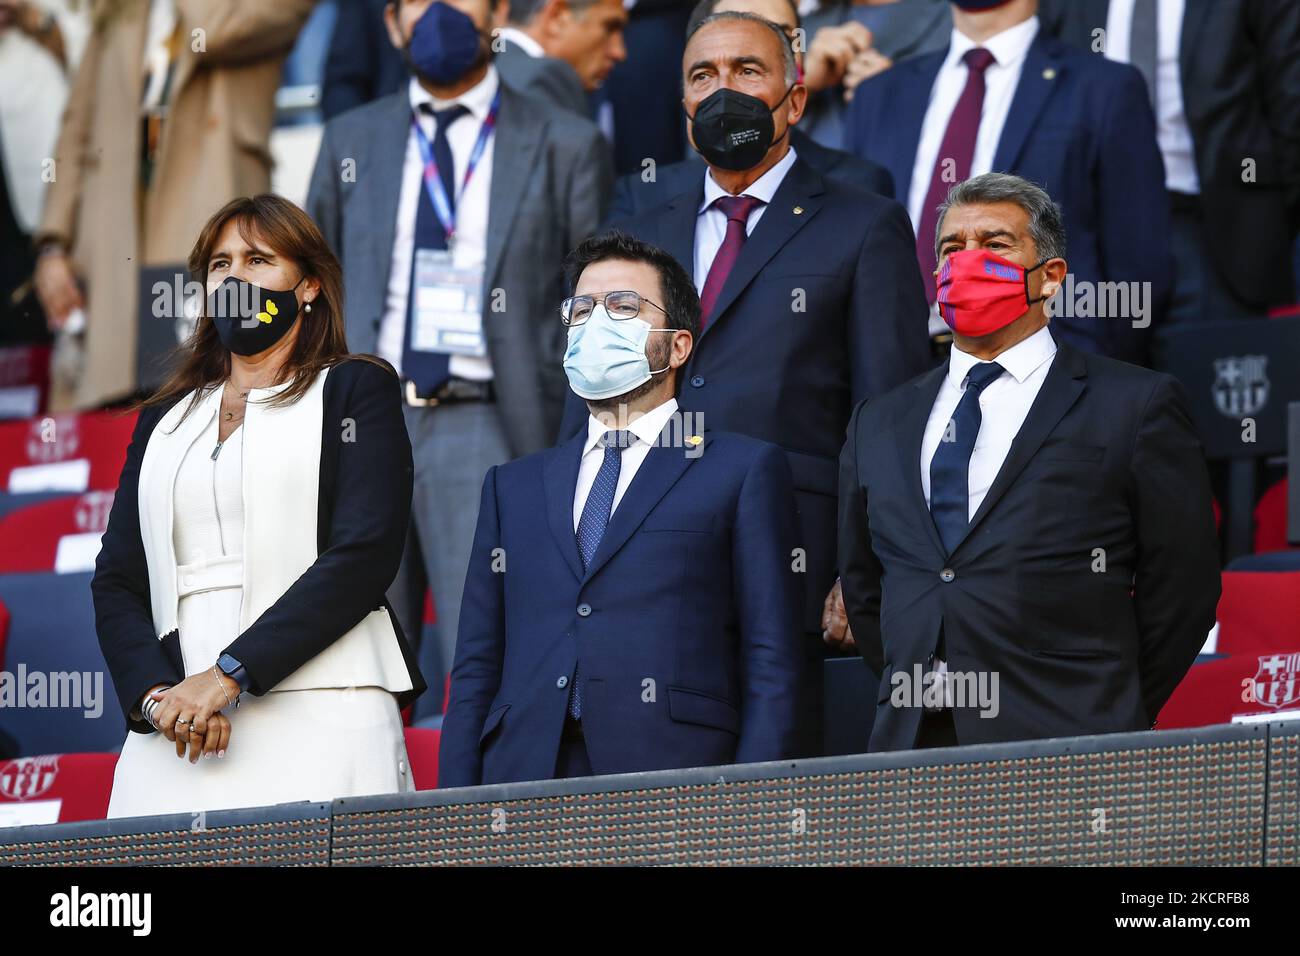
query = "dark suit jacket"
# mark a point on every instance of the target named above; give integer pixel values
(362, 64)
(683, 627)
(1089, 577)
(766, 368)
(363, 513)
(1082, 128)
(551, 180)
(1240, 65)
(634, 196)
(544, 77)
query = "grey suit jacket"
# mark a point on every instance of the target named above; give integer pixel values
(551, 181)
(544, 77)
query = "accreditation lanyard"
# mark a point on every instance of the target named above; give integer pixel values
(433, 182)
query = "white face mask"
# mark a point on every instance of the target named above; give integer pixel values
(606, 358)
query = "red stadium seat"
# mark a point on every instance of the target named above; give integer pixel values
(1270, 519)
(72, 453)
(1214, 692)
(57, 535)
(81, 782)
(422, 750)
(1258, 612)
(4, 631)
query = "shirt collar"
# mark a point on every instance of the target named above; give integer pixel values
(522, 40)
(1021, 360)
(1008, 47)
(763, 188)
(646, 428)
(477, 99)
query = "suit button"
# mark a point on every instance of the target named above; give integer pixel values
(401, 766)
(584, 610)
(562, 682)
(947, 575)
(697, 381)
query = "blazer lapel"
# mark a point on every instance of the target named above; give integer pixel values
(560, 473)
(677, 237)
(800, 190)
(663, 465)
(1038, 79)
(1061, 389)
(518, 137)
(911, 434)
(913, 101)
(379, 188)
(1196, 13)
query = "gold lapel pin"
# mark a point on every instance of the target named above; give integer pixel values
(1049, 74)
(798, 210)
(694, 440)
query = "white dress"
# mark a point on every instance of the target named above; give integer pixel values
(285, 745)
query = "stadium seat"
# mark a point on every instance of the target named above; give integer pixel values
(1215, 691)
(52, 632)
(1270, 519)
(58, 535)
(422, 750)
(64, 452)
(1258, 612)
(80, 782)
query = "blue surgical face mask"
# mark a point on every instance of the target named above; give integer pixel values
(444, 44)
(606, 358)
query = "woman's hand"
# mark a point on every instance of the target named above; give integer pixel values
(188, 708)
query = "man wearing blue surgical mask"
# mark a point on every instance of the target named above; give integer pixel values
(451, 205)
(630, 602)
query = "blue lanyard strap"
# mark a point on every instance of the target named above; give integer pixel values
(433, 181)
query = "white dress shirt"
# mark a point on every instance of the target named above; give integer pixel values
(470, 247)
(646, 429)
(1004, 405)
(1172, 132)
(1009, 49)
(711, 226)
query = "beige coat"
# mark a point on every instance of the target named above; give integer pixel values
(214, 147)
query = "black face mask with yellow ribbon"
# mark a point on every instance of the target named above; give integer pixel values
(248, 318)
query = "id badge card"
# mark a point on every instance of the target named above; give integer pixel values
(447, 315)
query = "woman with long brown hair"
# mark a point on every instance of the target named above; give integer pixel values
(260, 517)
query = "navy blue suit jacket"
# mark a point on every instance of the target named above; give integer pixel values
(684, 625)
(1082, 128)
(823, 308)
(633, 195)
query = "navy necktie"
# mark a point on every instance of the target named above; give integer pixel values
(429, 370)
(595, 518)
(950, 466)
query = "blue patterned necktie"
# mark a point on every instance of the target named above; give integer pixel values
(595, 518)
(950, 466)
(428, 370)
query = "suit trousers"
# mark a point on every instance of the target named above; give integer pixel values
(1199, 292)
(453, 446)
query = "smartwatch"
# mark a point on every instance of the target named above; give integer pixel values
(235, 671)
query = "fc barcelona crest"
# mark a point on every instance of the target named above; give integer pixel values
(1240, 384)
(28, 777)
(1277, 682)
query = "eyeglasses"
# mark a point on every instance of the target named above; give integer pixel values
(623, 305)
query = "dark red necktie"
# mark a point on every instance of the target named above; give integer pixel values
(737, 210)
(953, 163)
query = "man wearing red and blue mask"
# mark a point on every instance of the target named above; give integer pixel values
(1026, 539)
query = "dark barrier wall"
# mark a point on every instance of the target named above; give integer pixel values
(1211, 796)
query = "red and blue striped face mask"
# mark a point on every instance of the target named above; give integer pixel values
(980, 292)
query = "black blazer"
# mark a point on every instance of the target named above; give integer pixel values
(1240, 65)
(1087, 582)
(363, 513)
(767, 368)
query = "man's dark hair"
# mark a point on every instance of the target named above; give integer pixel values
(680, 301)
(705, 9)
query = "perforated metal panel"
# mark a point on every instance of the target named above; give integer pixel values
(1283, 845)
(1164, 800)
(270, 836)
